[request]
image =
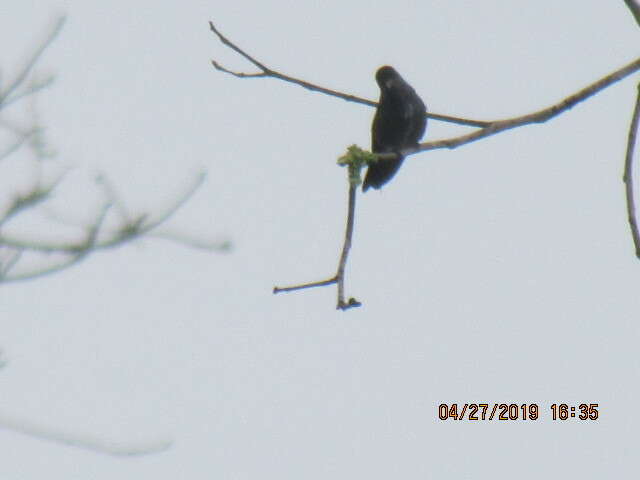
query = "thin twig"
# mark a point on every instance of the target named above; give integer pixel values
(487, 128)
(4, 96)
(113, 197)
(78, 251)
(303, 286)
(32, 89)
(628, 175)
(179, 204)
(345, 250)
(268, 72)
(540, 116)
(123, 234)
(21, 202)
(9, 264)
(222, 246)
(635, 9)
(339, 276)
(87, 442)
(16, 145)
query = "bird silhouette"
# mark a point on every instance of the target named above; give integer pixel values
(399, 123)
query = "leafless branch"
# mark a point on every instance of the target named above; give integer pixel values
(28, 91)
(635, 9)
(7, 265)
(24, 72)
(87, 442)
(487, 128)
(113, 197)
(79, 253)
(539, 116)
(628, 175)
(136, 228)
(34, 197)
(223, 245)
(15, 146)
(339, 276)
(268, 72)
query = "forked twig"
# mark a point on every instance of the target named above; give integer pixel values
(339, 276)
(486, 128)
(135, 228)
(268, 72)
(5, 96)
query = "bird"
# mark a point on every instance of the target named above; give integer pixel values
(399, 122)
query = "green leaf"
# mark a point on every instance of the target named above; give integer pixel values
(355, 159)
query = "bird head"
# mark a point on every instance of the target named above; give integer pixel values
(387, 77)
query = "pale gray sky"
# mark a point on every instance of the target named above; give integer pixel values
(501, 272)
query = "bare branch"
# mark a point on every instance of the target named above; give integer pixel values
(304, 286)
(125, 233)
(113, 197)
(268, 72)
(35, 196)
(22, 75)
(540, 116)
(345, 250)
(24, 138)
(229, 44)
(339, 276)
(210, 246)
(181, 201)
(487, 129)
(87, 442)
(78, 254)
(635, 9)
(6, 266)
(136, 228)
(628, 175)
(30, 90)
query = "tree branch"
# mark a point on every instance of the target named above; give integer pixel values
(34, 197)
(628, 175)
(83, 441)
(22, 75)
(268, 72)
(133, 229)
(539, 116)
(339, 276)
(24, 138)
(635, 9)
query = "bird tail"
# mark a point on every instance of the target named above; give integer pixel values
(381, 172)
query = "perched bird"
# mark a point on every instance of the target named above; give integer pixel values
(399, 123)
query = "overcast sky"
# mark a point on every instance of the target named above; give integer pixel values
(500, 272)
